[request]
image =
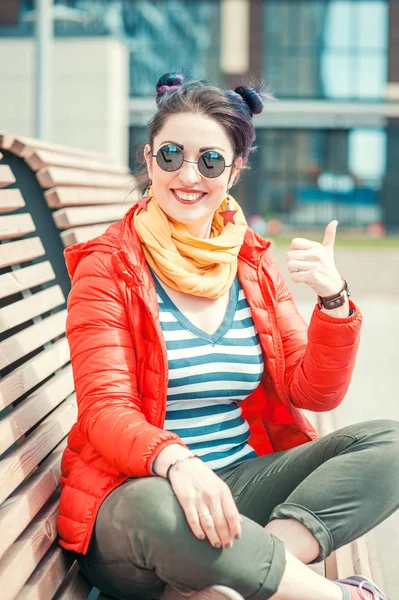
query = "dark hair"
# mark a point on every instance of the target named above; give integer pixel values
(232, 109)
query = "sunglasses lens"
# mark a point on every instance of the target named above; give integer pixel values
(211, 164)
(170, 157)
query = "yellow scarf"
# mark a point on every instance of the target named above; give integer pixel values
(202, 267)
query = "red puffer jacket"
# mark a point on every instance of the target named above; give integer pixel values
(120, 369)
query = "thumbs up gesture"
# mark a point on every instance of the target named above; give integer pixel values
(313, 263)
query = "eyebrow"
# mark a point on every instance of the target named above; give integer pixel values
(200, 150)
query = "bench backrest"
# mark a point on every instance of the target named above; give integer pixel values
(37, 401)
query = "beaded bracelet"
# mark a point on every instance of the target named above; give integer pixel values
(177, 461)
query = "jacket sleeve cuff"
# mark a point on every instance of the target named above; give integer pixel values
(353, 316)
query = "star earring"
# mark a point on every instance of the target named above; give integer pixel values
(228, 214)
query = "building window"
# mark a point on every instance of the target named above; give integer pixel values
(333, 49)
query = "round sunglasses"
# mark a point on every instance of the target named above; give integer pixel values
(210, 164)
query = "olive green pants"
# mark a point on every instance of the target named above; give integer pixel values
(339, 486)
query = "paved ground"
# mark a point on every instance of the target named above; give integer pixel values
(374, 391)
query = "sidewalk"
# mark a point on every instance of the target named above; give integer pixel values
(374, 390)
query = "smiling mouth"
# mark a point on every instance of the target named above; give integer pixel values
(186, 201)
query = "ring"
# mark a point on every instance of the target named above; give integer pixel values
(299, 265)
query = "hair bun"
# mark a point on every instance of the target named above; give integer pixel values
(168, 81)
(252, 98)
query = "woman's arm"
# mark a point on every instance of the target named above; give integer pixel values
(319, 360)
(104, 366)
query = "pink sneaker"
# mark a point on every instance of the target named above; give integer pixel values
(215, 592)
(362, 583)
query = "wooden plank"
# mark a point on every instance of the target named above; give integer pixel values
(52, 176)
(31, 338)
(361, 558)
(11, 200)
(23, 279)
(78, 196)
(34, 408)
(82, 215)
(82, 234)
(26, 553)
(32, 372)
(21, 461)
(40, 159)
(6, 140)
(15, 226)
(75, 587)
(6, 176)
(21, 251)
(22, 506)
(48, 576)
(26, 309)
(21, 146)
(339, 564)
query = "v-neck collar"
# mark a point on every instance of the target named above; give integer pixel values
(187, 324)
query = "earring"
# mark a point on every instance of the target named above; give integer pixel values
(228, 214)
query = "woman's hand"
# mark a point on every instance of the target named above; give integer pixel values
(207, 503)
(315, 263)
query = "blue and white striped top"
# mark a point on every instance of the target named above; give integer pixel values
(209, 375)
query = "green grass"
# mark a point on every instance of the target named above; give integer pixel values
(342, 242)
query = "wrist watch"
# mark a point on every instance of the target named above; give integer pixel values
(335, 300)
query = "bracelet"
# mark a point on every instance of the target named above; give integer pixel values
(176, 462)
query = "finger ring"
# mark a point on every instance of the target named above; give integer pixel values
(205, 514)
(299, 265)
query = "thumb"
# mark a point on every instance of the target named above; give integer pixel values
(329, 234)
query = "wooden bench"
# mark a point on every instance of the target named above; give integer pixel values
(37, 401)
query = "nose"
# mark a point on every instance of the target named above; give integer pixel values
(189, 173)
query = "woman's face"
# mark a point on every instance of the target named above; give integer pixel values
(193, 132)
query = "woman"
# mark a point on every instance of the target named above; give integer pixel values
(191, 463)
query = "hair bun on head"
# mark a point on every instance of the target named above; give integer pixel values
(168, 81)
(252, 98)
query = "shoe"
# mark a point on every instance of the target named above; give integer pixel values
(215, 592)
(364, 584)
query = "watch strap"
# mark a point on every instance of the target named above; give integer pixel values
(335, 300)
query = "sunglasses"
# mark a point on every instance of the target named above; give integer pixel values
(210, 164)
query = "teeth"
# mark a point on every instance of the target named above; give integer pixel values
(184, 196)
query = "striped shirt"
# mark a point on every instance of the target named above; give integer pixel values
(209, 375)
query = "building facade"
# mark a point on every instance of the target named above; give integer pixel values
(329, 147)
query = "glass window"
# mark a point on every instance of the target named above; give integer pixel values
(326, 49)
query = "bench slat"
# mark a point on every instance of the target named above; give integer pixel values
(48, 576)
(75, 587)
(46, 158)
(29, 412)
(77, 235)
(21, 251)
(15, 226)
(6, 176)
(52, 176)
(75, 196)
(28, 308)
(21, 146)
(26, 553)
(31, 338)
(22, 506)
(32, 372)
(20, 462)
(74, 217)
(23, 279)
(11, 200)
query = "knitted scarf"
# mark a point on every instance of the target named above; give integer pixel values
(202, 267)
